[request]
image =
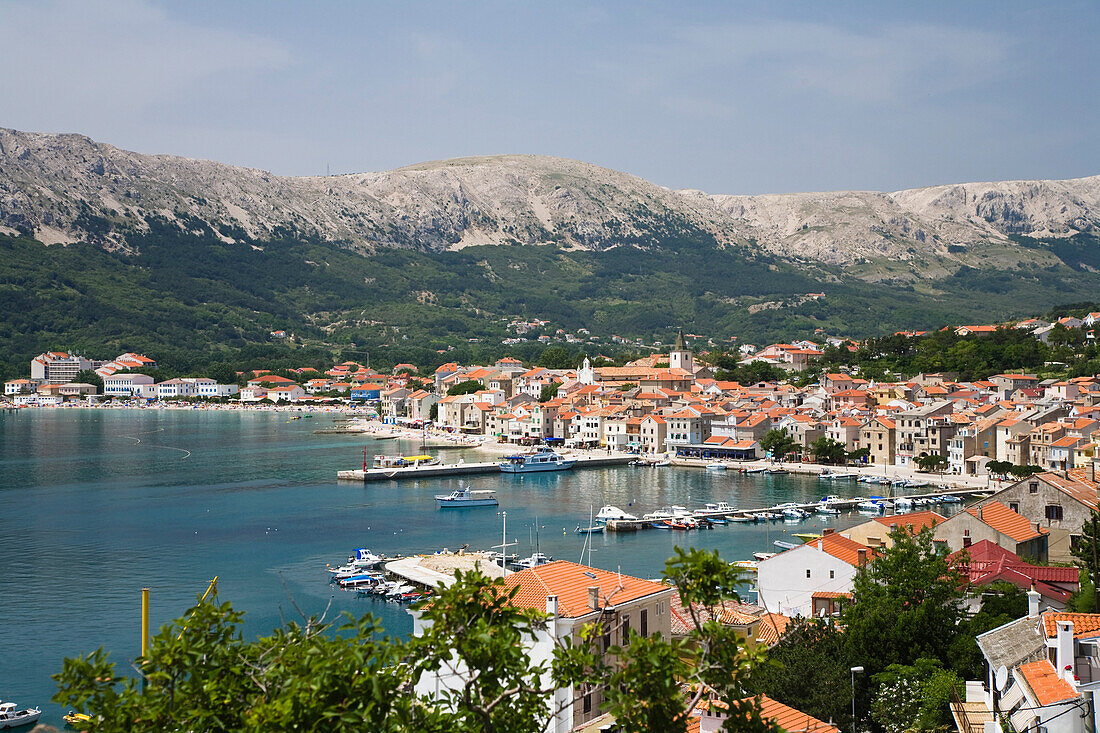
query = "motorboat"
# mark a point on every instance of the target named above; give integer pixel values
(754, 470)
(784, 545)
(533, 561)
(795, 514)
(78, 720)
(807, 536)
(363, 580)
(12, 718)
(903, 503)
(762, 556)
(360, 561)
(748, 566)
(467, 497)
(544, 459)
(824, 508)
(399, 590)
(595, 529)
(612, 512)
(831, 499)
(658, 516)
(716, 467)
(404, 461)
(950, 499)
(766, 516)
(661, 463)
(743, 519)
(777, 471)
(869, 479)
(720, 506)
(870, 507)
(844, 476)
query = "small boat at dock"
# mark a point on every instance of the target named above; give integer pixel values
(596, 529)
(543, 459)
(612, 512)
(533, 561)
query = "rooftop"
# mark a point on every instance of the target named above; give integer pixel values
(570, 582)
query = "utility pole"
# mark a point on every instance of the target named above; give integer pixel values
(1095, 590)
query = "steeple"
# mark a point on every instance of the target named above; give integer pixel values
(680, 345)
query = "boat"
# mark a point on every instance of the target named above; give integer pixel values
(749, 566)
(612, 512)
(77, 720)
(467, 497)
(595, 529)
(807, 536)
(743, 519)
(766, 516)
(754, 470)
(870, 507)
(12, 718)
(795, 514)
(720, 506)
(824, 508)
(399, 590)
(903, 503)
(869, 479)
(661, 463)
(360, 561)
(658, 516)
(533, 561)
(544, 459)
(761, 556)
(716, 467)
(363, 580)
(844, 476)
(405, 461)
(784, 545)
(777, 471)
(950, 499)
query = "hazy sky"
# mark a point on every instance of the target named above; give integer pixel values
(725, 97)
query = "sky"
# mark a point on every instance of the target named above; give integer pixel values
(724, 97)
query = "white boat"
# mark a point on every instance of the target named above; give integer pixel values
(794, 514)
(466, 497)
(716, 467)
(761, 556)
(360, 561)
(544, 459)
(824, 508)
(755, 470)
(661, 463)
(903, 503)
(363, 580)
(870, 507)
(534, 561)
(845, 476)
(594, 529)
(950, 499)
(404, 461)
(720, 506)
(399, 589)
(612, 512)
(658, 516)
(12, 718)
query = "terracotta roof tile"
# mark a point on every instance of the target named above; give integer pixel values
(1044, 681)
(570, 582)
(1004, 520)
(1084, 624)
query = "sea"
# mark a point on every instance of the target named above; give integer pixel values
(97, 504)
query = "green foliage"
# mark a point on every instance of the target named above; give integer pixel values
(87, 376)
(778, 443)
(467, 387)
(549, 391)
(558, 357)
(859, 454)
(1087, 552)
(931, 462)
(827, 450)
(810, 644)
(914, 698)
(1001, 602)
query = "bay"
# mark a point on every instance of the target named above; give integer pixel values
(96, 504)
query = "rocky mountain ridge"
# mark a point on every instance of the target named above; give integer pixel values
(69, 188)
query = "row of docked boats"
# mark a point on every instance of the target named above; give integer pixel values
(771, 471)
(882, 504)
(651, 462)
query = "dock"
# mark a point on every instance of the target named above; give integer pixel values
(433, 571)
(633, 525)
(444, 470)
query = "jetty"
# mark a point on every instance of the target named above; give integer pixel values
(443, 470)
(432, 571)
(633, 525)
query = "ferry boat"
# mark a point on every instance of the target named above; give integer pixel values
(465, 497)
(544, 459)
(12, 718)
(404, 461)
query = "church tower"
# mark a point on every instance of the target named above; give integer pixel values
(680, 356)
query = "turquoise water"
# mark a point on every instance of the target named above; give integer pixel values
(94, 505)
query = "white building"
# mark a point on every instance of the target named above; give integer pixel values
(286, 394)
(20, 386)
(788, 582)
(127, 385)
(59, 367)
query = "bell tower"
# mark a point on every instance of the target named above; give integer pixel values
(680, 356)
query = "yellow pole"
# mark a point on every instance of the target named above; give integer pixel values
(144, 621)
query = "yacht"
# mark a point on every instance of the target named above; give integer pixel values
(544, 459)
(824, 508)
(363, 580)
(612, 512)
(534, 561)
(12, 718)
(719, 507)
(795, 514)
(361, 561)
(465, 497)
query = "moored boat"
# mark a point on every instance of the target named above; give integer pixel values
(533, 561)
(612, 512)
(544, 459)
(596, 529)
(467, 497)
(12, 718)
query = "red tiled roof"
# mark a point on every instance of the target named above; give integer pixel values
(913, 521)
(1004, 520)
(840, 547)
(1084, 624)
(784, 716)
(1044, 681)
(570, 582)
(826, 594)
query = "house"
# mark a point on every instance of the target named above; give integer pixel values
(19, 386)
(713, 714)
(126, 385)
(985, 562)
(878, 437)
(876, 532)
(574, 596)
(1061, 503)
(286, 394)
(996, 522)
(787, 582)
(420, 405)
(76, 389)
(253, 394)
(172, 388)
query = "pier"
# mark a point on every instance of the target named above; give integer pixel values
(633, 525)
(444, 470)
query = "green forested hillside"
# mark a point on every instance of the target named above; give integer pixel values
(192, 300)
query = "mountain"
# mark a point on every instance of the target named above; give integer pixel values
(196, 262)
(68, 188)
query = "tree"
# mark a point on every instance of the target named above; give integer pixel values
(549, 392)
(467, 387)
(815, 644)
(998, 468)
(1025, 471)
(914, 698)
(200, 674)
(1087, 553)
(827, 450)
(778, 443)
(87, 376)
(905, 605)
(859, 454)
(556, 357)
(931, 462)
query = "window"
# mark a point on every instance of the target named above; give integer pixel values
(643, 623)
(1054, 512)
(587, 700)
(832, 574)
(626, 630)
(1014, 507)
(967, 542)
(1033, 487)
(807, 572)
(606, 636)
(966, 533)
(1074, 541)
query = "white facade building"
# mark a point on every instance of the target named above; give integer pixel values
(788, 581)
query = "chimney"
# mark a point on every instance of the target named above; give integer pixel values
(861, 556)
(979, 513)
(594, 597)
(1033, 603)
(552, 606)
(1092, 469)
(1064, 650)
